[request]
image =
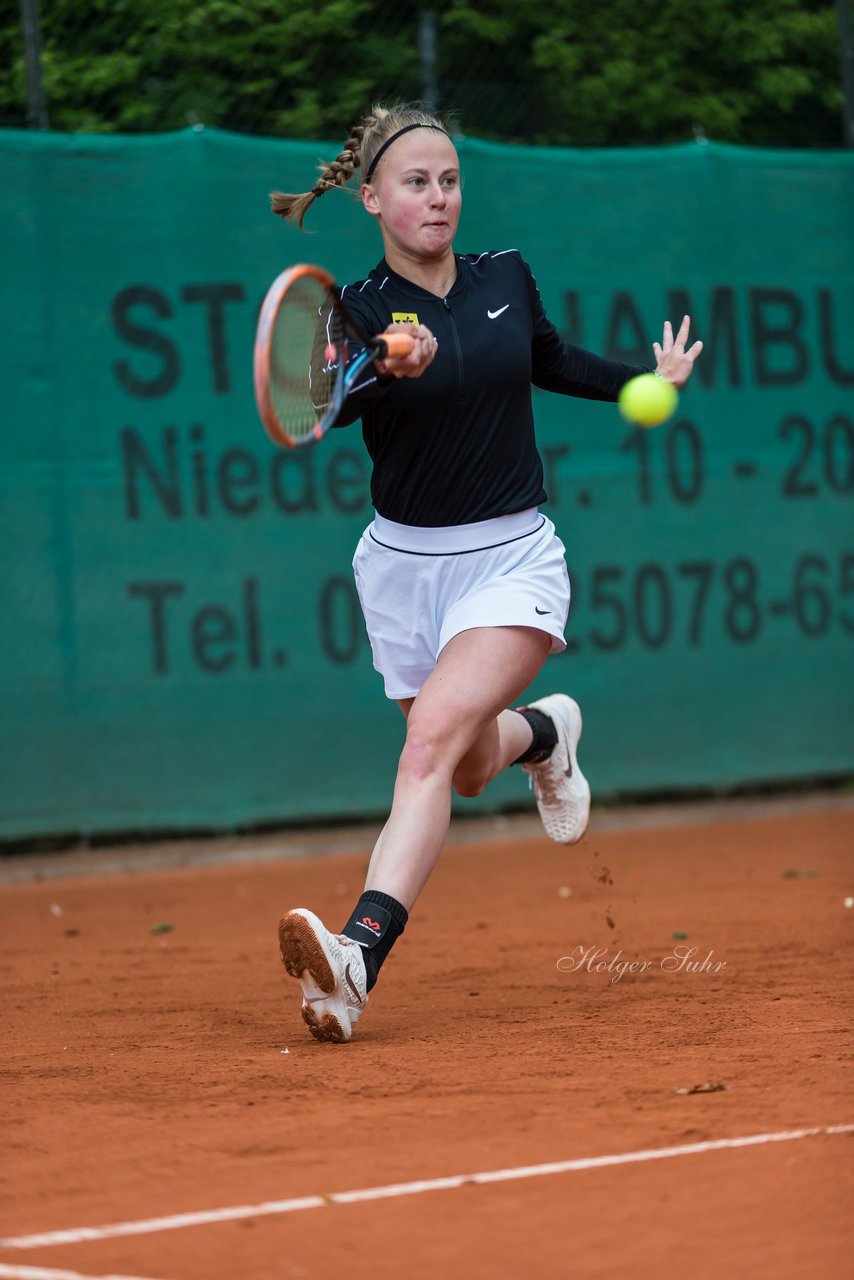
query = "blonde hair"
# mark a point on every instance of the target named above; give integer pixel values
(358, 152)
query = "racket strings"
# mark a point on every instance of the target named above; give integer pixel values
(306, 347)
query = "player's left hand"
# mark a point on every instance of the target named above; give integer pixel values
(673, 362)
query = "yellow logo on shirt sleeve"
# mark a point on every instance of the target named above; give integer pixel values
(404, 317)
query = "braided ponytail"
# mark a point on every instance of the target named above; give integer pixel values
(364, 142)
(337, 173)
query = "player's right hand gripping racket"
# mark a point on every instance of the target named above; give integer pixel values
(309, 353)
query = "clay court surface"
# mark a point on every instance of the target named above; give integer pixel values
(155, 1063)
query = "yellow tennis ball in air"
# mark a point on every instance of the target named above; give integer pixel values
(648, 400)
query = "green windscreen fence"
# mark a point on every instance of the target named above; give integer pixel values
(182, 645)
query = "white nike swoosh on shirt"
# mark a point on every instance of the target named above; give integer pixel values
(493, 314)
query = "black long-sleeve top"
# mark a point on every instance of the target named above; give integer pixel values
(457, 444)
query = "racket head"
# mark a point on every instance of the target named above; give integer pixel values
(300, 352)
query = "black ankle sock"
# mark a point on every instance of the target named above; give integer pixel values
(376, 924)
(545, 736)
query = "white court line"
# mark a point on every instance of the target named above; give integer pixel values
(206, 1217)
(48, 1273)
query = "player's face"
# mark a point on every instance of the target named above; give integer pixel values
(415, 194)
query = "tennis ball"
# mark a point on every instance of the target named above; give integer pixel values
(648, 400)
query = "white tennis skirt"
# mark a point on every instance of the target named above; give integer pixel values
(421, 587)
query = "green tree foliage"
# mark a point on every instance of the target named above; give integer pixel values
(761, 72)
(622, 72)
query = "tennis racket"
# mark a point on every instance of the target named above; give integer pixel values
(309, 353)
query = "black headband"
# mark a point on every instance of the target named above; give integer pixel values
(421, 124)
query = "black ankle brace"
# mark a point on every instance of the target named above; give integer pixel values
(377, 922)
(545, 736)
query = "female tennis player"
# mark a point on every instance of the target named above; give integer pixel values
(462, 579)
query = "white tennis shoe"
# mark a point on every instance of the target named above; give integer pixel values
(331, 971)
(561, 789)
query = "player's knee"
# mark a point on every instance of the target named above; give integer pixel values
(422, 756)
(470, 780)
(467, 787)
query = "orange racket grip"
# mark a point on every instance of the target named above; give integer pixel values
(398, 344)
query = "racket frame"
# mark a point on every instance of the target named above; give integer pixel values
(373, 349)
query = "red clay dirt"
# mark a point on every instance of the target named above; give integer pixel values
(151, 1071)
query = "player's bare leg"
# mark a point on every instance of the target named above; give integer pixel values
(478, 673)
(461, 703)
(459, 736)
